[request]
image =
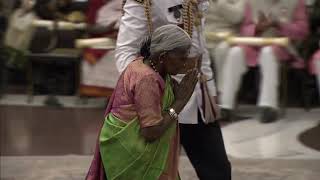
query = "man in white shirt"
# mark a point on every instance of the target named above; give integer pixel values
(203, 143)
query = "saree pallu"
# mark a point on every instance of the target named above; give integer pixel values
(125, 153)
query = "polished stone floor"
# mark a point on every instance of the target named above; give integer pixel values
(294, 136)
(45, 143)
(74, 168)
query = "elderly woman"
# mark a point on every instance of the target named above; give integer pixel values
(140, 137)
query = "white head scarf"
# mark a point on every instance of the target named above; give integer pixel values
(167, 38)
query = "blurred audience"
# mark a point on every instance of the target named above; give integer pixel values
(17, 39)
(20, 30)
(99, 72)
(53, 9)
(256, 18)
(7, 6)
(313, 42)
(223, 16)
(315, 66)
(272, 18)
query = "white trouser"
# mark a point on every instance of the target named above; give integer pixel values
(317, 66)
(219, 53)
(235, 67)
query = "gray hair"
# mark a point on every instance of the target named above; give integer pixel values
(165, 38)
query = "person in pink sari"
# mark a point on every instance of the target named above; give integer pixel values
(270, 18)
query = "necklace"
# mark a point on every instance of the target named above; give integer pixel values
(153, 66)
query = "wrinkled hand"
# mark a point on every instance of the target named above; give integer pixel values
(185, 89)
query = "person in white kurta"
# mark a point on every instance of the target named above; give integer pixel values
(203, 143)
(17, 38)
(20, 30)
(222, 16)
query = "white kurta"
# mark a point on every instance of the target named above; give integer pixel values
(20, 30)
(133, 29)
(223, 16)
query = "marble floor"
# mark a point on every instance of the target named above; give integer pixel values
(73, 167)
(36, 143)
(284, 139)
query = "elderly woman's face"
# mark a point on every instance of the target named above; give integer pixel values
(175, 60)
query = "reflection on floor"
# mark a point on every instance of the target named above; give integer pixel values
(75, 168)
(252, 139)
(48, 131)
(39, 142)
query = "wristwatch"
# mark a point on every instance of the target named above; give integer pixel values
(172, 113)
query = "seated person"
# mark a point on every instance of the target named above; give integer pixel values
(315, 40)
(315, 66)
(53, 9)
(17, 39)
(20, 30)
(223, 16)
(98, 72)
(272, 18)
